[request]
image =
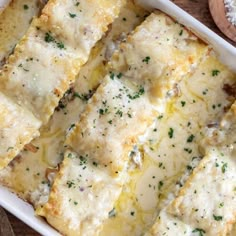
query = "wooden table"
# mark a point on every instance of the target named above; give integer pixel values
(198, 9)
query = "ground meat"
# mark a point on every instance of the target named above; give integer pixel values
(230, 89)
(70, 95)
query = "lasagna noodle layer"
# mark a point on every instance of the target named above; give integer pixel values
(213, 179)
(121, 109)
(53, 49)
(47, 59)
(144, 66)
(108, 120)
(14, 22)
(26, 174)
(17, 127)
(164, 157)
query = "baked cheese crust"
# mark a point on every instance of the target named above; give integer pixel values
(121, 109)
(26, 174)
(145, 71)
(206, 203)
(14, 22)
(17, 127)
(46, 62)
(82, 196)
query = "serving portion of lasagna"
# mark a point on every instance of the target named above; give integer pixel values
(122, 121)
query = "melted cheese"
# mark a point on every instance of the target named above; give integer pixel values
(17, 128)
(136, 207)
(165, 159)
(42, 52)
(14, 22)
(213, 179)
(169, 225)
(110, 124)
(87, 19)
(164, 51)
(120, 110)
(26, 174)
(84, 194)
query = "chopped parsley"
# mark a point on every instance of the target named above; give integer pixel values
(83, 160)
(72, 15)
(200, 232)
(189, 167)
(160, 184)
(137, 94)
(224, 167)
(112, 213)
(112, 75)
(70, 155)
(50, 39)
(71, 126)
(217, 218)
(119, 75)
(190, 138)
(95, 163)
(181, 33)
(120, 113)
(132, 213)
(215, 72)
(188, 150)
(26, 7)
(146, 59)
(171, 133)
(70, 184)
(83, 97)
(60, 45)
(103, 111)
(205, 92)
(183, 103)
(221, 204)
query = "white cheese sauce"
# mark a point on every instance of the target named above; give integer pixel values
(26, 175)
(14, 22)
(166, 150)
(171, 148)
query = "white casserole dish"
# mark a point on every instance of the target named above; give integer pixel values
(226, 52)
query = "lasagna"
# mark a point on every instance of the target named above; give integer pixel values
(125, 151)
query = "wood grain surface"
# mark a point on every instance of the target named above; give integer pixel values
(218, 13)
(197, 8)
(5, 226)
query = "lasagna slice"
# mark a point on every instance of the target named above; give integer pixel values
(169, 225)
(26, 174)
(109, 126)
(124, 105)
(214, 179)
(14, 22)
(146, 71)
(82, 196)
(50, 55)
(17, 127)
(46, 61)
